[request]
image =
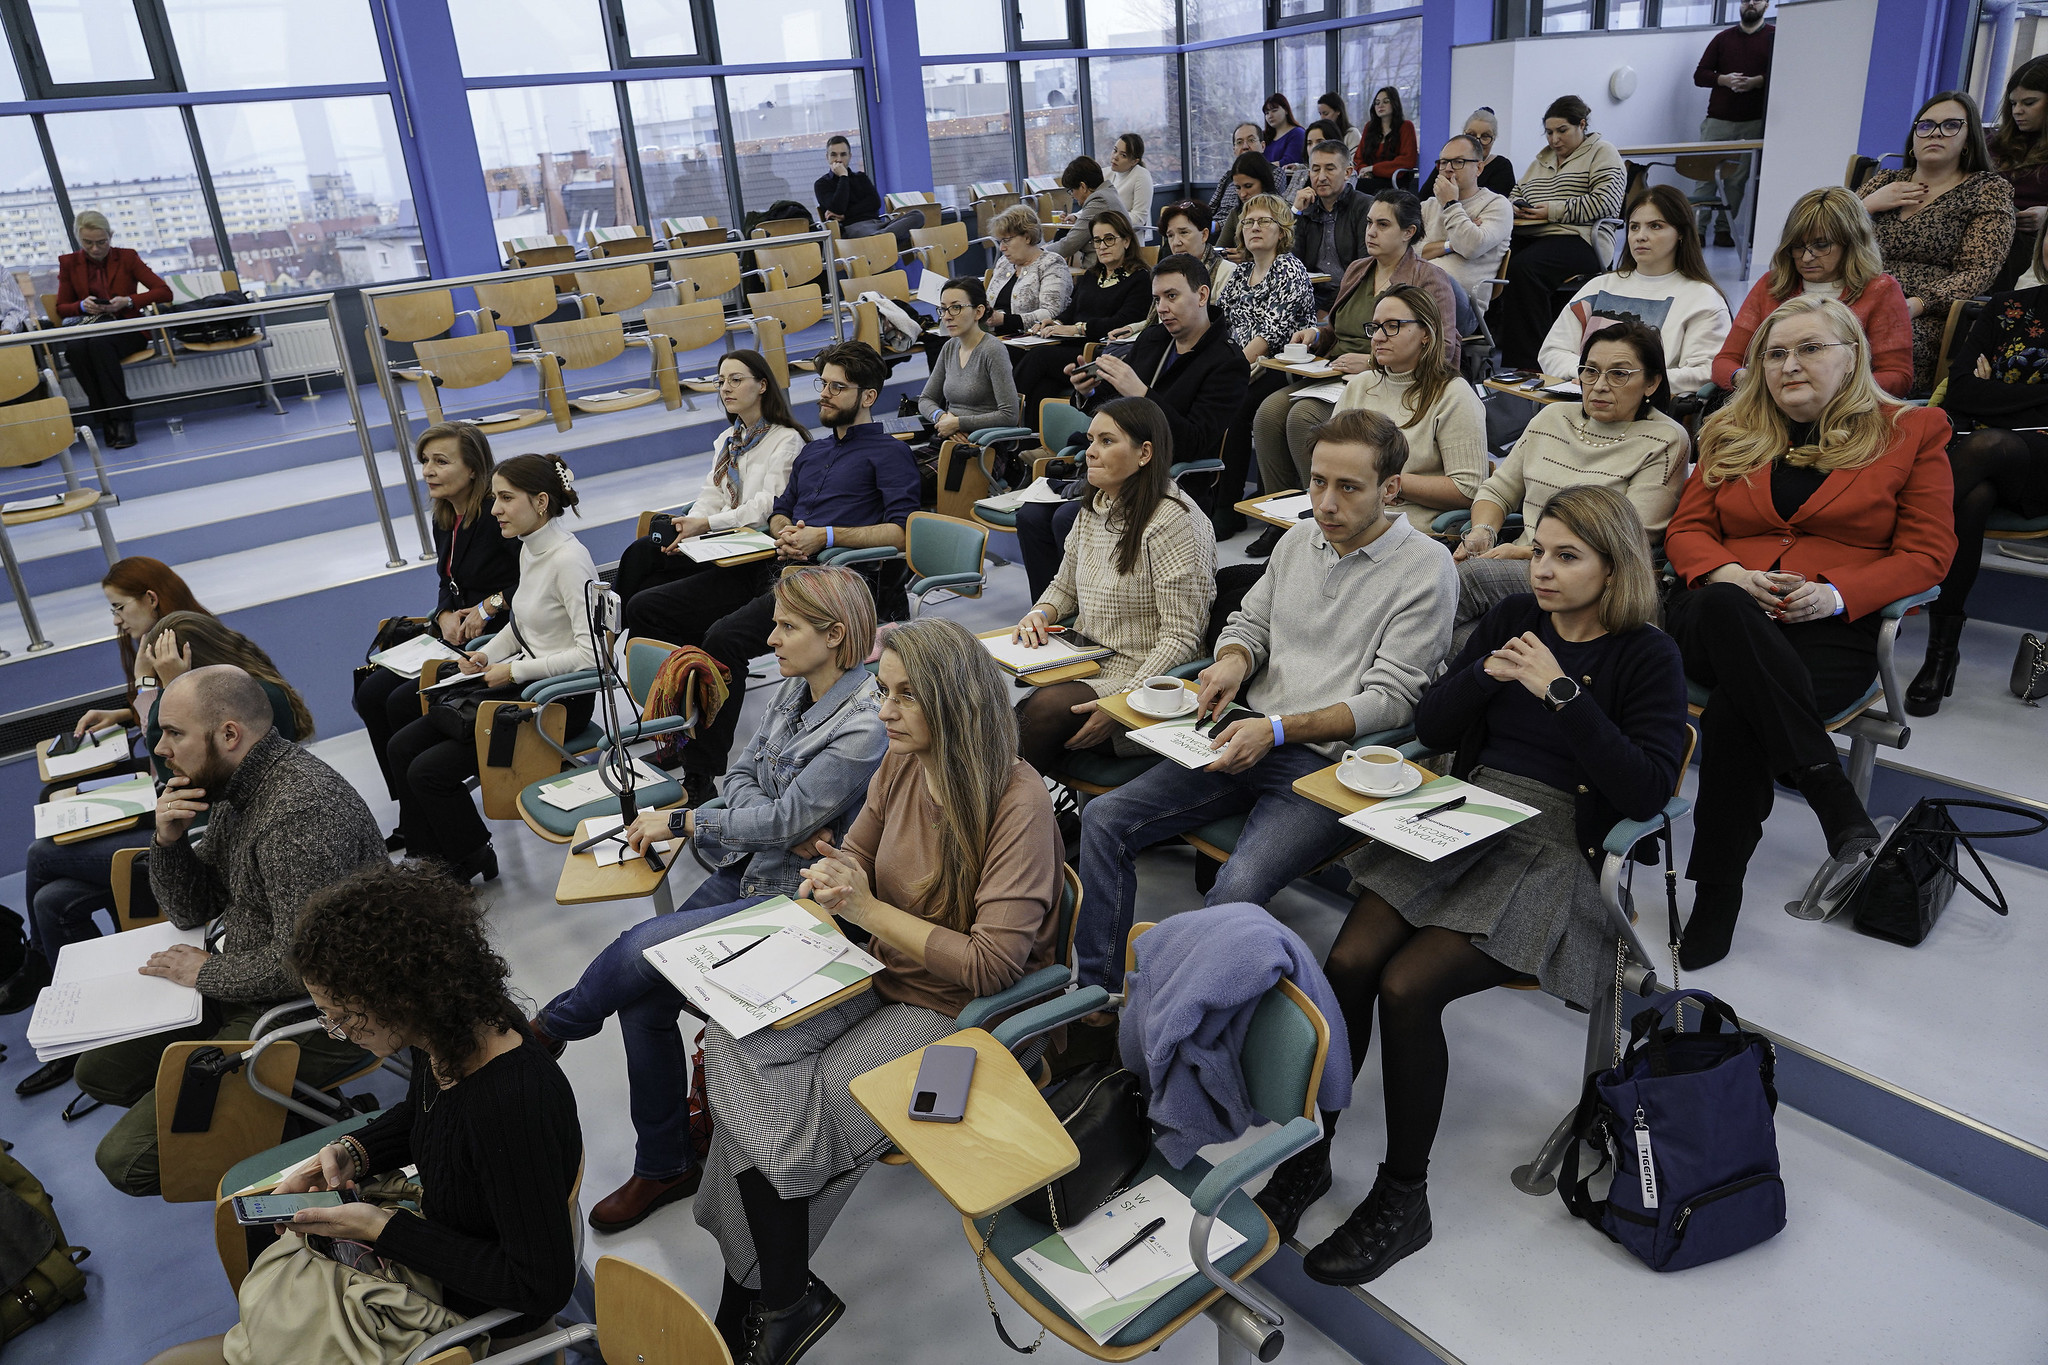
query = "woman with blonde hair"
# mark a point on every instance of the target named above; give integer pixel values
(1029, 285)
(1829, 250)
(803, 774)
(953, 868)
(1817, 500)
(1570, 700)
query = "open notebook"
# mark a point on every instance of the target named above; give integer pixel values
(98, 996)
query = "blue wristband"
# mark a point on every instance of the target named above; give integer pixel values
(1279, 733)
(828, 537)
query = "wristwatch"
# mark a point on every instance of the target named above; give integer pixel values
(1561, 693)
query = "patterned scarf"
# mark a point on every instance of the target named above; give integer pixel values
(742, 440)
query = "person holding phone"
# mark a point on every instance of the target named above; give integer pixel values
(1111, 295)
(1574, 183)
(101, 281)
(1817, 500)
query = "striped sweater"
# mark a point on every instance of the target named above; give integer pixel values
(1584, 188)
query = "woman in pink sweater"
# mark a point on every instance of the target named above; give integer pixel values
(1830, 249)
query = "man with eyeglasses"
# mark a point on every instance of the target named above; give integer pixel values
(1737, 67)
(1330, 218)
(1465, 227)
(281, 825)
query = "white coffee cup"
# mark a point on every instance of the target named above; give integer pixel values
(1374, 768)
(1295, 352)
(1160, 696)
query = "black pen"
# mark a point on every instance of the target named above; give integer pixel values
(1143, 1234)
(742, 952)
(1451, 804)
(729, 531)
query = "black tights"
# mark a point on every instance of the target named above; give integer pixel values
(1992, 469)
(782, 1239)
(1412, 974)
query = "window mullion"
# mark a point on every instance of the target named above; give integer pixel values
(223, 244)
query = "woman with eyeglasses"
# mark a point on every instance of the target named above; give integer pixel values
(1818, 499)
(1267, 302)
(2019, 152)
(1029, 285)
(1663, 281)
(1115, 292)
(1388, 144)
(1829, 250)
(1496, 172)
(1186, 230)
(1574, 183)
(1619, 435)
(1944, 223)
(750, 463)
(972, 385)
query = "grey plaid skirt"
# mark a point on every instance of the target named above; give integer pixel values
(1526, 896)
(780, 1104)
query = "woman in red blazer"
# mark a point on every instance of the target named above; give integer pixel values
(101, 280)
(1386, 145)
(1817, 500)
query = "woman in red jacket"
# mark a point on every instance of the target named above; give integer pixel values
(1829, 250)
(1388, 144)
(1817, 500)
(103, 281)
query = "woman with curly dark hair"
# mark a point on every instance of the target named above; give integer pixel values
(397, 959)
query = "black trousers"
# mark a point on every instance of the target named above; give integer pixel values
(1771, 689)
(428, 771)
(682, 608)
(96, 363)
(1992, 469)
(387, 703)
(1537, 269)
(1042, 535)
(1042, 374)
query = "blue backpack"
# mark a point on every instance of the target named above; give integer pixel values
(1685, 1117)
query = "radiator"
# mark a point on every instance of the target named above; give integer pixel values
(296, 348)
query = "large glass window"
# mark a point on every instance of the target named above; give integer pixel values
(660, 28)
(1222, 18)
(135, 166)
(551, 159)
(528, 37)
(1567, 16)
(31, 232)
(91, 41)
(1052, 114)
(1043, 21)
(255, 44)
(1683, 13)
(682, 157)
(779, 128)
(1382, 54)
(304, 184)
(1301, 67)
(1130, 23)
(1232, 82)
(751, 31)
(945, 27)
(1352, 7)
(10, 79)
(1138, 95)
(967, 117)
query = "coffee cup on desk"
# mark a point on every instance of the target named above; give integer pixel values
(1295, 353)
(1161, 696)
(1374, 768)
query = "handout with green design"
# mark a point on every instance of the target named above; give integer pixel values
(1483, 815)
(685, 958)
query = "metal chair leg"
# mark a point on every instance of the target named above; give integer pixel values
(36, 642)
(269, 389)
(99, 467)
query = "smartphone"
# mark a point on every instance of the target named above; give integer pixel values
(943, 1077)
(263, 1210)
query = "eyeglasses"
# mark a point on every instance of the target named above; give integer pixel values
(1454, 162)
(1260, 222)
(1391, 328)
(832, 388)
(1100, 242)
(1592, 377)
(953, 310)
(733, 380)
(1807, 351)
(1813, 251)
(1948, 127)
(334, 1028)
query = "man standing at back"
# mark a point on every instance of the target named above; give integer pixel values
(1737, 67)
(281, 824)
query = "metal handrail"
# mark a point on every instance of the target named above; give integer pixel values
(163, 322)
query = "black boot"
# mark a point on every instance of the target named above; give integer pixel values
(1711, 927)
(1392, 1223)
(1268, 541)
(482, 860)
(782, 1336)
(1296, 1184)
(26, 984)
(1937, 676)
(1840, 811)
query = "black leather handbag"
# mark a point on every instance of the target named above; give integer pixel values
(1102, 1107)
(1910, 882)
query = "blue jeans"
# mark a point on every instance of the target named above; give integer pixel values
(621, 981)
(68, 882)
(1284, 836)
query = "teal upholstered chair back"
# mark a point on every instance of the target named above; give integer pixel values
(1060, 424)
(1284, 1052)
(644, 659)
(944, 552)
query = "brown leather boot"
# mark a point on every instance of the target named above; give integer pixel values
(638, 1197)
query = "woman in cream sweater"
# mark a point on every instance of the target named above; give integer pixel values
(1620, 436)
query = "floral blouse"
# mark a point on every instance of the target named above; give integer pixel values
(1275, 308)
(1043, 288)
(2012, 336)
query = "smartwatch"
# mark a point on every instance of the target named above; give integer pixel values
(1560, 693)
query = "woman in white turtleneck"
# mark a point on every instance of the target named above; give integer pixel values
(548, 636)
(1663, 283)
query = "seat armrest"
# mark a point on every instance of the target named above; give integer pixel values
(1268, 1152)
(847, 555)
(988, 435)
(1022, 1028)
(567, 685)
(1191, 668)
(477, 1326)
(1415, 751)
(944, 580)
(1892, 611)
(543, 1348)
(1628, 833)
(1035, 987)
(1446, 522)
(1391, 739)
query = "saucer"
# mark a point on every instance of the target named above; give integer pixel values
(1188, 700)
(1410, 780)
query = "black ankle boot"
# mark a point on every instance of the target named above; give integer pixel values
(1711, 926)
(21, 989)
(1840, 811)
(1392, 1223)
(782, 1336)
(1937, 676)
(482, 860)
(1296, 1184)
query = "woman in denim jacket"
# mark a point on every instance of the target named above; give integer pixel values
(806, 771)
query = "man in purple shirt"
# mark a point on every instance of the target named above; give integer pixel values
(853, 488)
(1737, 67)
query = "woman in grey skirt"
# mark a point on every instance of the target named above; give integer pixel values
(1570, 700)
(953, 868)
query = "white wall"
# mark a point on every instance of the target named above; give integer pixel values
(1814, 119)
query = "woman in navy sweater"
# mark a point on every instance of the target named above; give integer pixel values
(1571, 701)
